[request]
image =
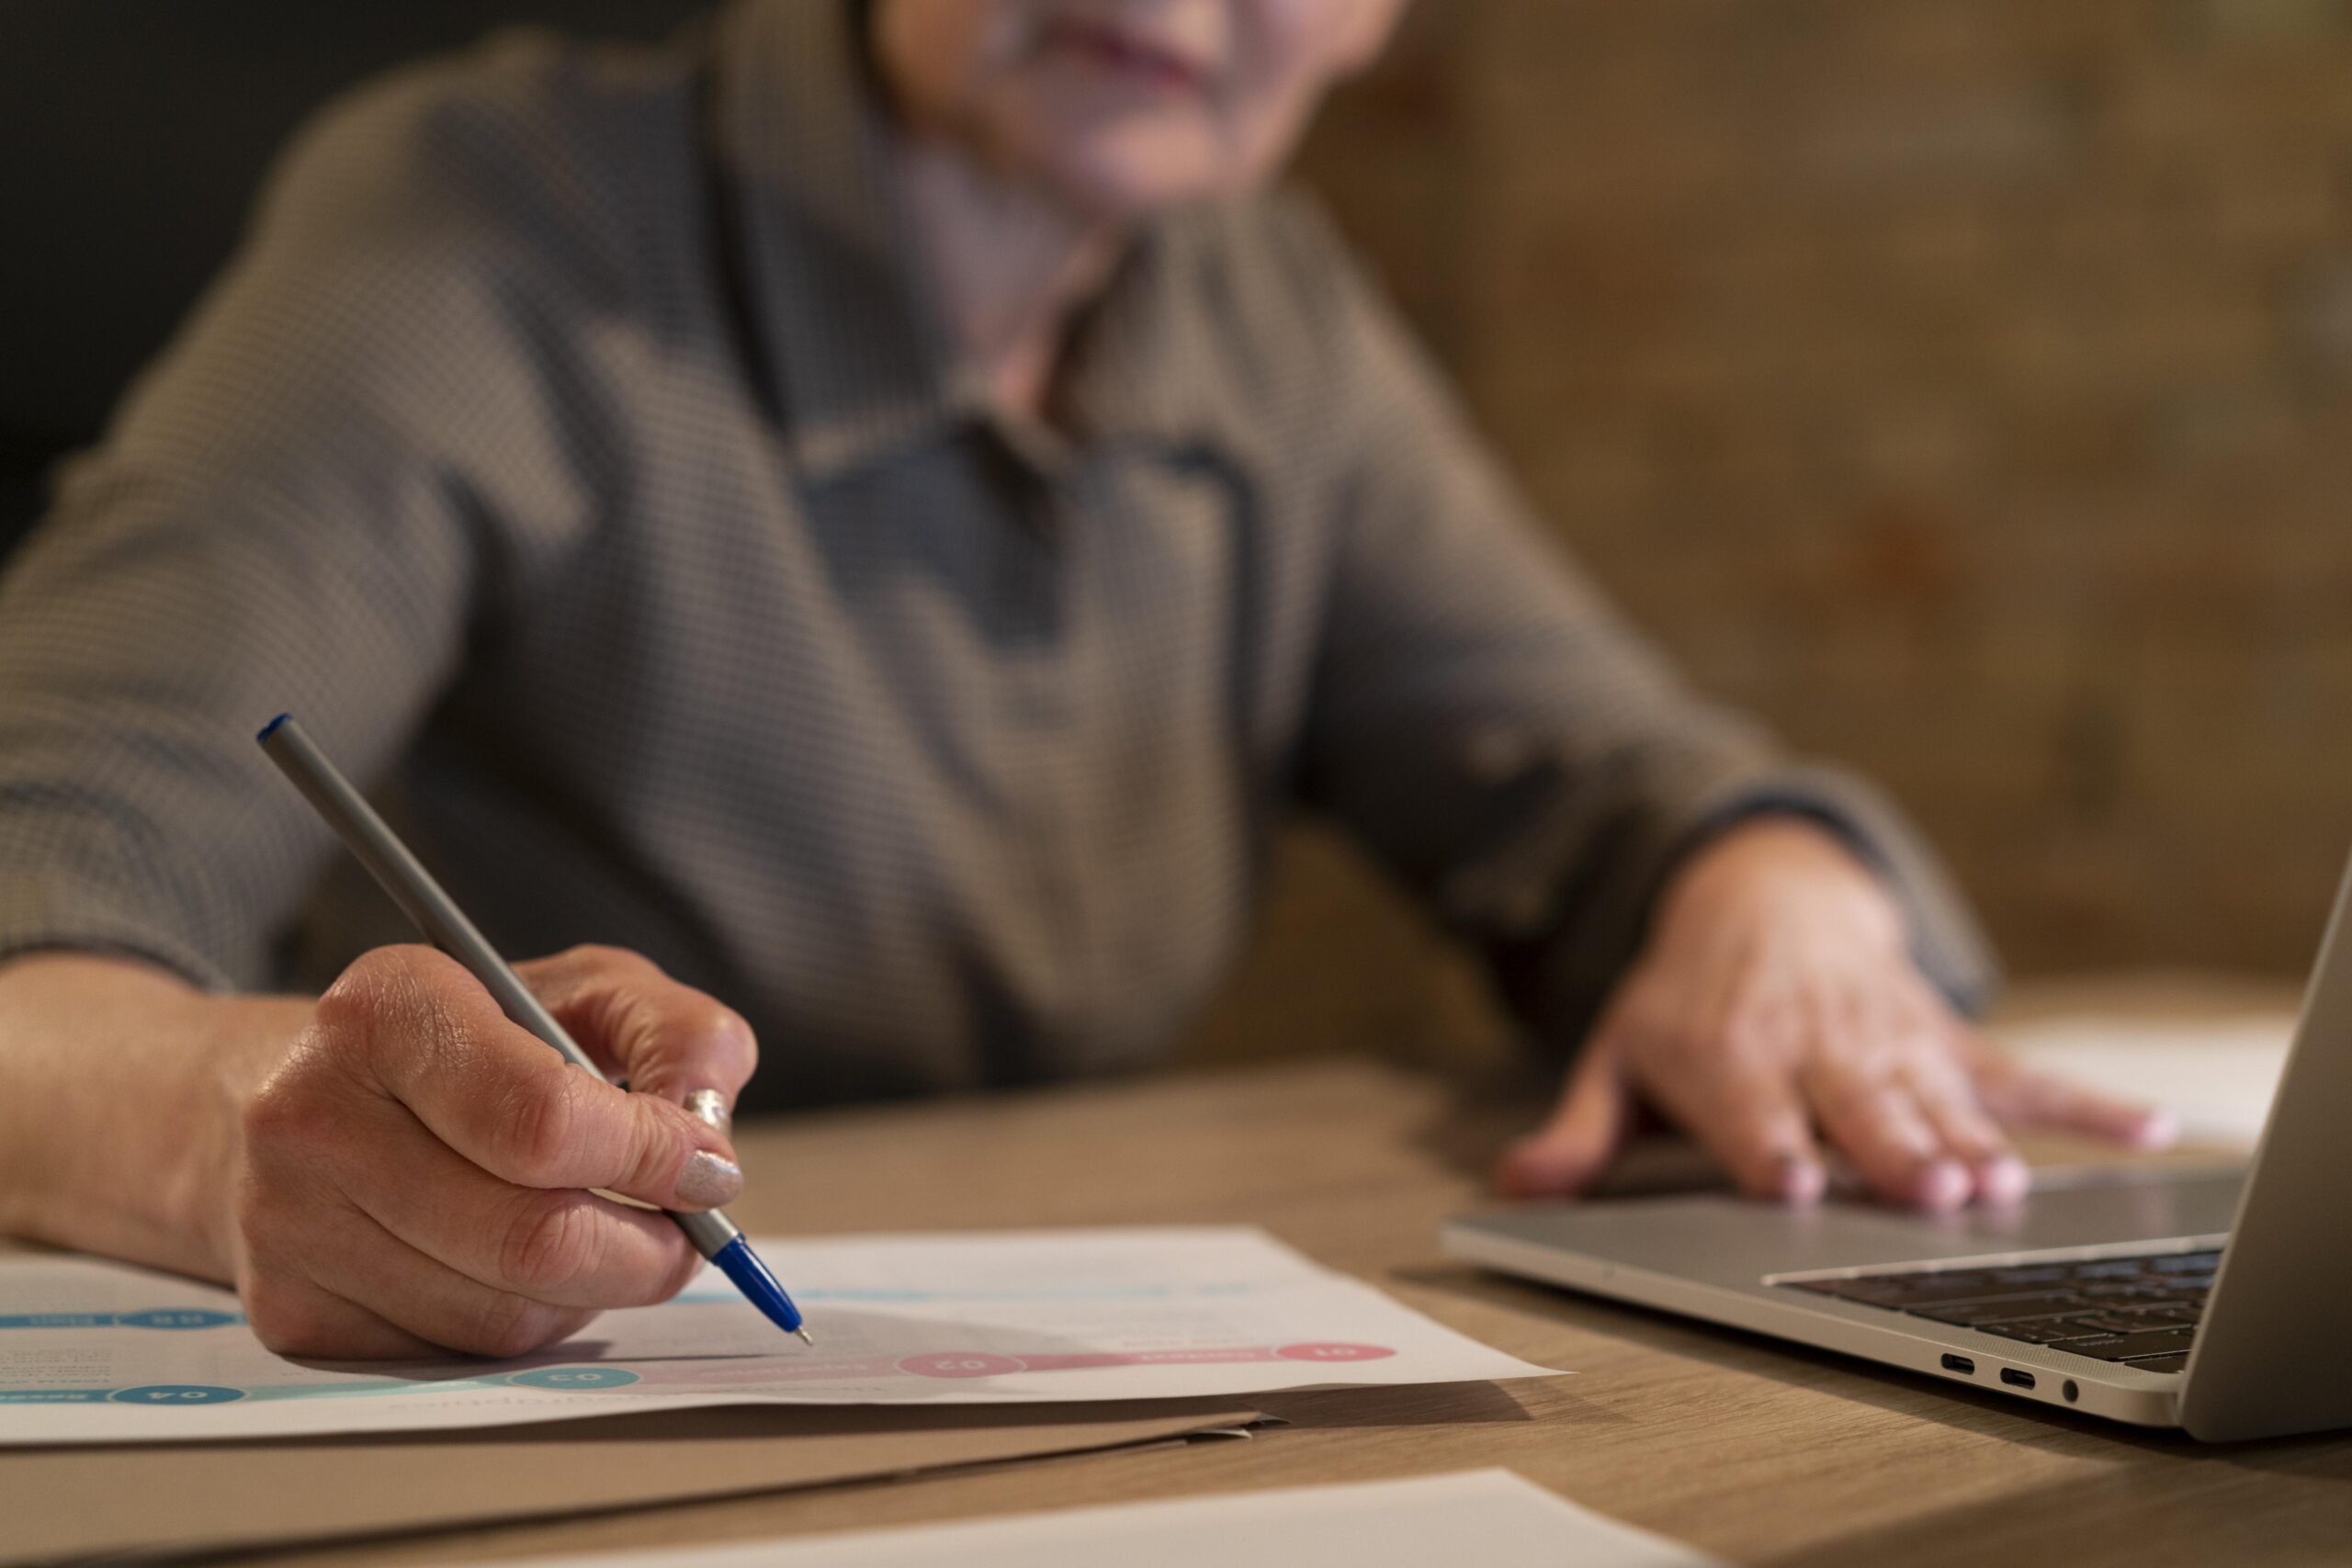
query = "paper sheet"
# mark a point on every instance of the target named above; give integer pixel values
(1491, 1517)
(2217, 1076)
(112, 1499)
(97, 1352)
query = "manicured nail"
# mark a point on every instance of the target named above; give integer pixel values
(709, 1182)
(2004, 1180)
(709, 1106)
(2158, 1130)
(1802, 1180)
(1943, 1184)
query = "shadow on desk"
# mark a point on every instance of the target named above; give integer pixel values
(1425, 1404)
(1480, 1117)
(2192, 1510)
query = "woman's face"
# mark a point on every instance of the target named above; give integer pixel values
(1123, 107)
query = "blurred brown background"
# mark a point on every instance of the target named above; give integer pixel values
(1966, 385)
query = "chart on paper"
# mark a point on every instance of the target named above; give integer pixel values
(97, 1352)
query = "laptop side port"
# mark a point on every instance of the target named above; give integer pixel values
(1960, 1364)
(2015, 1378)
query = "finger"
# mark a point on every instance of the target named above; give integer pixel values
(2024, 1098)
(1877, 1122)
(1854, 1081)
(428, 1034)
(363, 1263)
(1733, 1088)
(1586, 1128)
(563, 1247)
(293, 1316)
(662, 1038)
(1747, 1114)
(1948, 1100)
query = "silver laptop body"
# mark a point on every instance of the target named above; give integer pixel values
(2267, 1344)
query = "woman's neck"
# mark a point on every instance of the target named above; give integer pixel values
(1011, 266)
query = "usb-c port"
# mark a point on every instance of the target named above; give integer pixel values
(2016, 1379)
(1960, 1364)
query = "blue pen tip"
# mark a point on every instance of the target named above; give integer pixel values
(271, 728)
(740, 1264)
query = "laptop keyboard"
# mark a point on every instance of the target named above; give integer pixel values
(2140, 1311)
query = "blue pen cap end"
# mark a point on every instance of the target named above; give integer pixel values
(272, 726)
(740, 1264)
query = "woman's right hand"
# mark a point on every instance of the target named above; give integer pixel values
(418, 1174)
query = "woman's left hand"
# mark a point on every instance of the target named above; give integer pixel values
(1776, 1007)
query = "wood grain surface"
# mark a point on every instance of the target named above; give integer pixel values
(1763, 1453)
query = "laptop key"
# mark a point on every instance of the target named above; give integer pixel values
(1918, 1289)
(2039, 1274)
(2126, 1347)
(2123, 1322)
(2176, 1361)
(1869, 1292)
(2002, 1309)
(2127, 1290)
(2185, 1263)
(2039, 1330)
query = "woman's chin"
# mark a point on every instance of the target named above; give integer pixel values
(1130, 178)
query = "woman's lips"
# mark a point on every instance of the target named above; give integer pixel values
(1140, 60)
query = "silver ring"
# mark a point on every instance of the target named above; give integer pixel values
(710, 1105)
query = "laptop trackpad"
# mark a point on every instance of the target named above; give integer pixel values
(1731, 1240)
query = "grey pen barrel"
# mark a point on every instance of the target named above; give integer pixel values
(401, 876)
(437, 915)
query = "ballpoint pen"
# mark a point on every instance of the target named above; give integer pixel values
(434, 913)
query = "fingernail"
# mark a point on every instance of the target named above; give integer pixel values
(1943, 1185)
(709, 1182)
(2004, 1180)
(707, 1105)
(1802, 1181)
(2158, 1130)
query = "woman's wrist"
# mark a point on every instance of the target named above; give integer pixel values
(1792, 862)
(120, 1089)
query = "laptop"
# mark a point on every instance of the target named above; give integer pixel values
(2208, 1303)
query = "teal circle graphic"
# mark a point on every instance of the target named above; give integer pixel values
(175, 1394)
(575, 1378)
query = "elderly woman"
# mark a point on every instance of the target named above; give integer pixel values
(874, 513)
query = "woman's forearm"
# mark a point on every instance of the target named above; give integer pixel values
(120, 1089)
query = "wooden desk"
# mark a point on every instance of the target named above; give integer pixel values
(1762, 1453)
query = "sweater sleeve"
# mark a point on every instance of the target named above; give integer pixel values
(360, 438)
(1508, 748)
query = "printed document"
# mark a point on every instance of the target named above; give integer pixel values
(1491, 1517)
(2217, 1076)
(100, 1352)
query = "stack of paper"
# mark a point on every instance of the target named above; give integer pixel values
(1003, 1345)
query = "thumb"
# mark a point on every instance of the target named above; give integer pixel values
(1569, 1153)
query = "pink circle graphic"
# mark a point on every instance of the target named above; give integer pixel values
(1334, 1352)
(959, 1364)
